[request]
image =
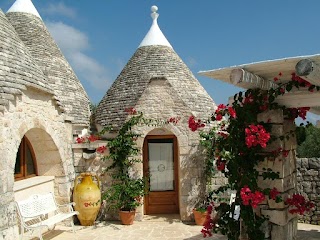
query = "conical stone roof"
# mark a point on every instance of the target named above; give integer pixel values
(61, 77)
(18, 70)
(152, 59)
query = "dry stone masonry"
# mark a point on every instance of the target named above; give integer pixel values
(308, 184)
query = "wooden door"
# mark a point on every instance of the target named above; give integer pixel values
(160, 165)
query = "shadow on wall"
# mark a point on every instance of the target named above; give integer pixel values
(49, 162)
(308, 234)
(193, 185)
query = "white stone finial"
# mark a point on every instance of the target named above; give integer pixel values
(155, 35)
(154, 8)
(154, 13)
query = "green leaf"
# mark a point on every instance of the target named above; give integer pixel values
(289, 87)
(271, 98)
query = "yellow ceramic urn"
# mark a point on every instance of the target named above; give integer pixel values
(87, 197)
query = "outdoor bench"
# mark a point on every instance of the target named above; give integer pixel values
(41, 212)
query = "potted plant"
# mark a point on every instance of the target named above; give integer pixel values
(126, 195)
(200, 212)
(126, 191)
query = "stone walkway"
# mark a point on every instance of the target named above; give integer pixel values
(152, 229)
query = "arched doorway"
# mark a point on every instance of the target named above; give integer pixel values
(160, 167)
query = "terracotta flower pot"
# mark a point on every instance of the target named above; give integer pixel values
(127, 217)
(199, 217)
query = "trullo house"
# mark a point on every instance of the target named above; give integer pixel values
(158, 83)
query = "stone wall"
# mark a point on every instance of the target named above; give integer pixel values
(35, 115)
(308, 184)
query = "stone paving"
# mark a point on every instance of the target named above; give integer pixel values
(138, 231)
(152, 229)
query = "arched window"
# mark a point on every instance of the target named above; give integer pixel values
(26, 165)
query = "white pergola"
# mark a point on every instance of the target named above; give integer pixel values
(261, 75)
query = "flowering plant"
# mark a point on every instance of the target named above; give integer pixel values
(299, 204)
(125, 192)
(87, 139)
(239, 144)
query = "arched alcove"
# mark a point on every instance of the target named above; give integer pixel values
(48, 164)
(46, 152)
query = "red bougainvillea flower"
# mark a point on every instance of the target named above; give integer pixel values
(219, 117)
(209, 223)
(274, 193)
(279, 151)
(301, 81)
(80, 140)
(221, 107)
(277, 78)
(223, 134)
(131, 110)
(256, 198)
(92, 138)
(299, 112)
(195, 125)
(101, 149)
(265, 104)
(256, 135)
(302, 112)
(245, 195)
(221, 165)
(232, 112)
(249, 198)
(263, 107)
(174, 120)
(285, 153)
(299, 204)
(220, 111)
(249, 99)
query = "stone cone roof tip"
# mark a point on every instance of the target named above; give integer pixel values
(155, 35)
(48, 56)
(25, 6)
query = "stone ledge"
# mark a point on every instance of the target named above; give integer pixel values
(282, 184)
(30, 182)
(278, 217)
(95, 144)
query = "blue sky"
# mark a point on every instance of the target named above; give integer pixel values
(99, 37)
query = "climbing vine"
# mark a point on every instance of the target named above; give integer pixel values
(239, 142)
